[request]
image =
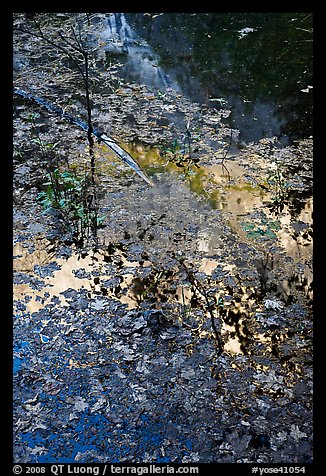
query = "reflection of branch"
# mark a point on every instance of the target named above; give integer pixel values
(68, 42)
(56, 45)
(305, 18)
(201, 290)
(224, 157)
(110, 143)
(84, 74)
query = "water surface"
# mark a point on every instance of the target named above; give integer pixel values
(258, 64)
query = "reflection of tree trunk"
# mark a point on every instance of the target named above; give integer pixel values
(224, 157)
(93, 206)
(264, 266)
(201, 290)
(89, 116)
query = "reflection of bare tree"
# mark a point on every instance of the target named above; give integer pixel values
(225, 155)
(198, 286)
(264, 266)
(72, 44)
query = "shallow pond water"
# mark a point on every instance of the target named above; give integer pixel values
(119, 339)
(222, 187)
(225, 186)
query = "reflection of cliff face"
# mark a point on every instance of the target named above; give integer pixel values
(140, 61)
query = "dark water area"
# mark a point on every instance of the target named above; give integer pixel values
(257, 64)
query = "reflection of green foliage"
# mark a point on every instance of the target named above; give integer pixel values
(264, 229)
(160, 95)
(197, 183)
(180, 152)
(45, 145)
(279, 186)
(69, 194)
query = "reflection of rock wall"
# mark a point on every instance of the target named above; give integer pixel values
(141, 63)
